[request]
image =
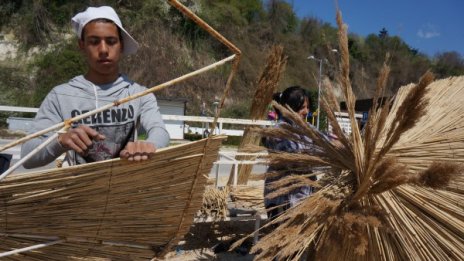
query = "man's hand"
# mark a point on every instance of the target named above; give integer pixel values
(79, 139)
(137, 151)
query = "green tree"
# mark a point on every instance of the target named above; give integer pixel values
(383, 34)
(448, 64)
(282, 17)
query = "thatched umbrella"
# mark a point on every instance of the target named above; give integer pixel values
(393, 192)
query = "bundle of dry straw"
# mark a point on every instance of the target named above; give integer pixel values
(267, 83)
(393, 192)
(214, 203)
(107, 209)
(248, 196)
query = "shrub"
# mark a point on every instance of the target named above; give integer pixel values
(64, 63)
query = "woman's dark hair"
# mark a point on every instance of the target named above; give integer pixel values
(293, 96)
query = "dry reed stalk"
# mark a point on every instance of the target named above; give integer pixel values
(329, 96)
(372, 131)
(266, 85)
(398, 194)
(336, 128)
(291, 184)
(345, 83)
(280, 160)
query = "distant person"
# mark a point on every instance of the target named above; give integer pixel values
(297, 99)
(203, 109)
(111, 133)
(272, 114)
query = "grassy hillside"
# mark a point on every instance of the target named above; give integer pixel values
(172, 46)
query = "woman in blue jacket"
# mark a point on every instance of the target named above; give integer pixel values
(297, 99)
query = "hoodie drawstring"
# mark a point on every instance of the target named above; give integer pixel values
(96, 96)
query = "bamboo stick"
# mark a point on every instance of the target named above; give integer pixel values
(205, 26)
(116, 103)
(28, 156)
(25, 249)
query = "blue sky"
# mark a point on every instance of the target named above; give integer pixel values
(430, 26)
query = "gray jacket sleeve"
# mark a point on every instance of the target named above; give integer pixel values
(47, 116)
(152, 123)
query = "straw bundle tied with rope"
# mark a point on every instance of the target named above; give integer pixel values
(394, 192)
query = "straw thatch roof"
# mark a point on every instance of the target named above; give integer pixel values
(113, 208)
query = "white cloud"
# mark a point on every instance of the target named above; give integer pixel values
(428, 31)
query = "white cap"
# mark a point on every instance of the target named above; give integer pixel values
(81, 19)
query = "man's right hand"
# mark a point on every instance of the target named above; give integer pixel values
(79, 139)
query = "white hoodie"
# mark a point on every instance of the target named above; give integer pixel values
(79, 96)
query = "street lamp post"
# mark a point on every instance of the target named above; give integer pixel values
(320, 61)
(318, 88)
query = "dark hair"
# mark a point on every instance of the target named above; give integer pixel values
(102, 20)
(293, 96)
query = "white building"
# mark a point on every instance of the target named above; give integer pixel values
(173, 107)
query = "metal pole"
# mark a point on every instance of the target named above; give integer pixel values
(319, 94)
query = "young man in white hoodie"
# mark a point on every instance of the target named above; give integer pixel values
(109, 134)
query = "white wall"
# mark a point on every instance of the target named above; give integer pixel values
(168, 107)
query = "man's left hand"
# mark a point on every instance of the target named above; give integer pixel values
(137, 151)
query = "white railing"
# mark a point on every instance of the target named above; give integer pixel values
(230, 160)
(165, 117)
(228, 157)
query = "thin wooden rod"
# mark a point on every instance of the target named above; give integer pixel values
(237, 52)
(200, 22)
(28, 156)
(205, 26)
(29, 248)
(29, 236)
(116, 103)
(226, 92)
(77, 239)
